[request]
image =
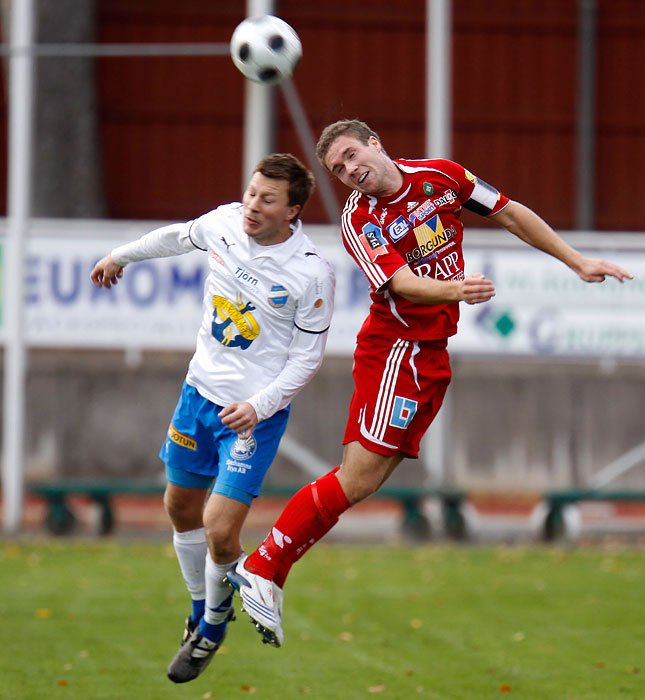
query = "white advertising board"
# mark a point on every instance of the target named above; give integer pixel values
(541, 307)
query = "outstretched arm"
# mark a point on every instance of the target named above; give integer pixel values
(163, 242)
(527, 225)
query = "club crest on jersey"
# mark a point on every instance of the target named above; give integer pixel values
(373, 241)
(278, 296)
(398, 228)
(229, 317)
(428, 189)
(244, 448)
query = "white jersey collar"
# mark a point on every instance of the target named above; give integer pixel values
(280, 252)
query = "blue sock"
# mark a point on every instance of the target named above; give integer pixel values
(212, 632)
(198, 610)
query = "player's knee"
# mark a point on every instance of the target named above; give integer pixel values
(182, 512)
(223, 542)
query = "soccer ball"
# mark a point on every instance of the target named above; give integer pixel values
(265, 49)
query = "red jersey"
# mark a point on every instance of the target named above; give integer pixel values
(419, 226)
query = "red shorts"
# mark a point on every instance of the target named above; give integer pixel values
(399, 386)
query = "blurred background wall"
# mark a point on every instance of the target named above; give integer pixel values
(160, 138)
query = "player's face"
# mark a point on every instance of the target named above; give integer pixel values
(267, 213)
(360, 166)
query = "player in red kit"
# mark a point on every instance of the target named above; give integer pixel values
(402, 226)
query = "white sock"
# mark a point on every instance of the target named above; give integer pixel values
(191, 551)
(216, 591)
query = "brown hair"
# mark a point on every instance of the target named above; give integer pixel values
(284, 166)
(344, 127)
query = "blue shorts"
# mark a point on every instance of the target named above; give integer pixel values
(199, 449)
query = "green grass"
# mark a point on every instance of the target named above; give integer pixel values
(101, 619)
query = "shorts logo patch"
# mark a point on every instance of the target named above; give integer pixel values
(244, 448)
(181, 439)
(403, 412)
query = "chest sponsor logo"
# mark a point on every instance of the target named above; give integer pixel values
(449, 197)
(372, 241)
(398, 228)
(420, 213)
(246, 277)
(430, 237)
(278, 296)
(233, 322)
(244, 448)
(382, 217)
(217, 258)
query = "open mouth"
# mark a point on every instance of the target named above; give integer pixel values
(363, 177)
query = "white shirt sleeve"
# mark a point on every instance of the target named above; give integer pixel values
(304, 360)
(163, 242)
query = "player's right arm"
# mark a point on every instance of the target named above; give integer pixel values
(473, 289)
(174, 239)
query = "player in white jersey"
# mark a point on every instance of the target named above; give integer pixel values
(268, 302)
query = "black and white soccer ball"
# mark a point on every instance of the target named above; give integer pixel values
(265, 49)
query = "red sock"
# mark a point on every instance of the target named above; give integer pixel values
(308, 516)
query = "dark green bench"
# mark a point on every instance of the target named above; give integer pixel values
(61, 520)
(557, 501)
(414, 522)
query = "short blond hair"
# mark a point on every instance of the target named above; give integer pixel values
(344, 127)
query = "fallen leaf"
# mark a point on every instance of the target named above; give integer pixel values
(599, 664)
(416, 624)
(43, 613)
(346, 636)
(208, 695)
(249, 689)
(61, 683)
(376, 689)
(519, 637)
(504, 688)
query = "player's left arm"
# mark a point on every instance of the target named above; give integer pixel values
(527, 225)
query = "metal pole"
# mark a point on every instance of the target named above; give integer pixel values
(438, 145)
(299, 117)
(586, 113)
(18, 196)
(259, 109)
(438, 78)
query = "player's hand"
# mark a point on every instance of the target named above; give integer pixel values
(476, 289)
(106, 272)
(240, 417)
(593, 270)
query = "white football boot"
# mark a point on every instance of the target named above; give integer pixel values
(261, 600)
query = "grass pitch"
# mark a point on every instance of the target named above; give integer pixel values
(102, 619)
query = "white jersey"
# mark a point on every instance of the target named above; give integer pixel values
(266, 308)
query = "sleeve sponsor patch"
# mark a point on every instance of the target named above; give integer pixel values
(372, 241)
